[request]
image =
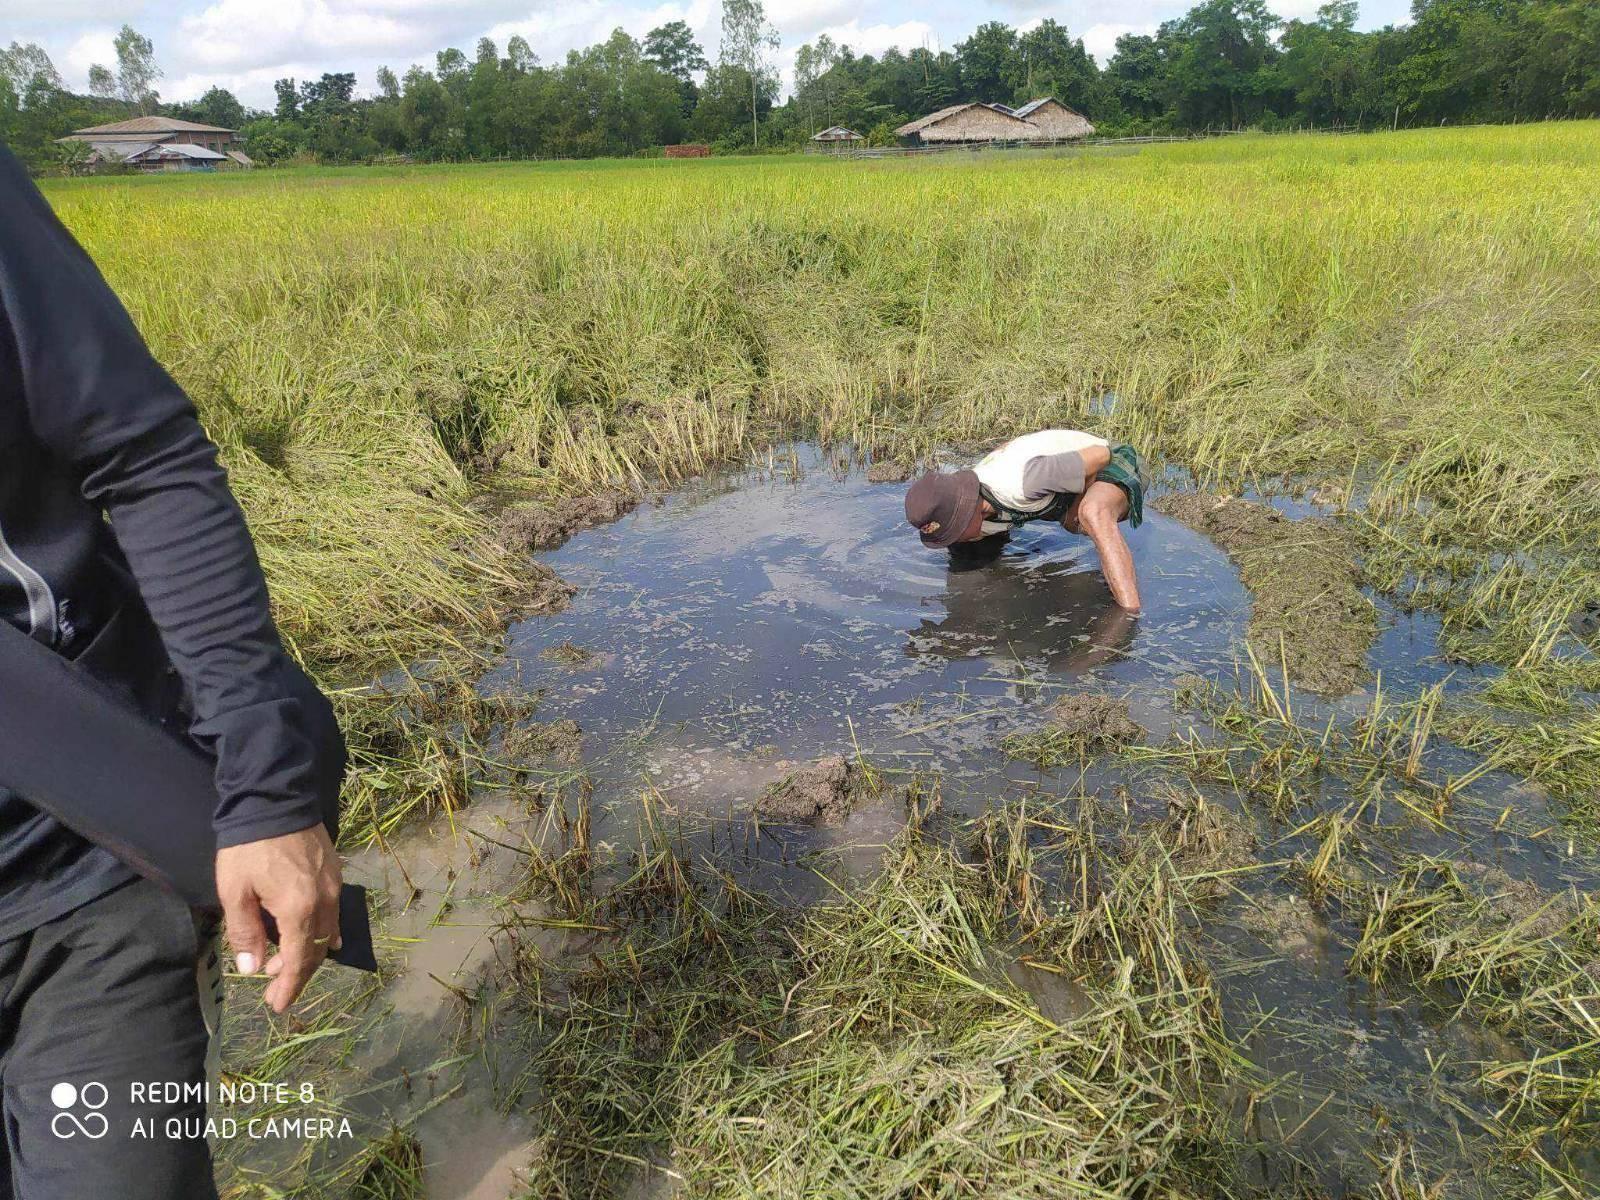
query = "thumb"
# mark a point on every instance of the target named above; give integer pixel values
(246, 932)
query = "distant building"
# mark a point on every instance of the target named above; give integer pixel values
(161, 144)
(1045, 119)
(834, 139)
(1054, 119)
(966, 123)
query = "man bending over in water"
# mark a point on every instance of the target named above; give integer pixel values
(1086, 483)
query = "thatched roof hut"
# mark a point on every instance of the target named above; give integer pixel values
(1054, 119)
(967, 123)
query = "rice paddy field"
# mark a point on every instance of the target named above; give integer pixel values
(730, 845)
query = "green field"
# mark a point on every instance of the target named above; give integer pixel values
(1405, 324)
(1418, 308)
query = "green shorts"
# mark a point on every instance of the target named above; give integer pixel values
(1127, 472)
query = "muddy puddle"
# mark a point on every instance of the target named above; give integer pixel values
(748, 625)
(785, 613)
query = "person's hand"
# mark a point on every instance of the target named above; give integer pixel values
(295, 878)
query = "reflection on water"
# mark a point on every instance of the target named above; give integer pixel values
(1003, 608)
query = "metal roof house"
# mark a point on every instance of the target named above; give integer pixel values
(162, 156)
(158, 156)
(132, 141)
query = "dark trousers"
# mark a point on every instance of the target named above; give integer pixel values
(95, 1008)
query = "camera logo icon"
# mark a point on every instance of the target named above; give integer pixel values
(70, 1100)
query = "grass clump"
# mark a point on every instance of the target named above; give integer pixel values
(1259, 746)
(1518, 957)
(568, 654)
(1561, 753)
(423, 742)
(1081, 725)
(877, 1045)
(1526, 962)
(389, 1168)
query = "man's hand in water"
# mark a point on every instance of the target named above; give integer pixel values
(1095, 514)
(295, 878)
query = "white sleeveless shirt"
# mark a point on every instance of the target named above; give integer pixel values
(1028, 473)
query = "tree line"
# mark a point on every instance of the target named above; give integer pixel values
(1225, 64)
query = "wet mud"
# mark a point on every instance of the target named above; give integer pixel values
(821, 792)
(1521, 903)
(524, 528)
(559, 741)
(888, 472)
(1304, 580)
(1095, 723)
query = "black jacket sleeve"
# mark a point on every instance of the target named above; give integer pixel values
(97, 400)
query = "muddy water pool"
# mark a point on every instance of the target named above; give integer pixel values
(765, 617)
(771, 616)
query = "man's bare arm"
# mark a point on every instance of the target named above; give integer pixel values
(1097, 515)
(1117, 561)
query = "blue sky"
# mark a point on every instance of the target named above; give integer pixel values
(244, 45)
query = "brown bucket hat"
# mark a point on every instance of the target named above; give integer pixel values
(941, 506)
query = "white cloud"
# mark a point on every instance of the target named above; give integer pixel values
(252, 86)
(870, 39)
(93, 46)
(798, 20)
(1292, 10)
(875, 39)
(1101, 40)
(247, 34)
(36, 15)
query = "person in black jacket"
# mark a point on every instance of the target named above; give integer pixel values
(113, 505)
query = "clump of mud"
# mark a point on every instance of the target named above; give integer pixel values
(821, 792)
(1521, 902)
(524, 528)
(488, 462)
(1095, 722)
(1081, 724)
(1286, 923)
(543, 591)
(888, 472)
(1305, 583)
(545, 741)
(568, 654)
